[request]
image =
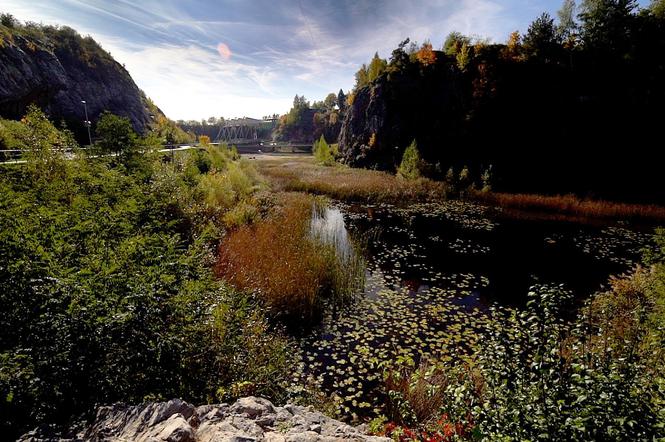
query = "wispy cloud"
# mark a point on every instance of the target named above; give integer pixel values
(276, 49)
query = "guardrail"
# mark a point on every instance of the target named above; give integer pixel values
(16, 156)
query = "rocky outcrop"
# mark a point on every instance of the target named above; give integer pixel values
(426, 104)
(56, 68)
(247, 420)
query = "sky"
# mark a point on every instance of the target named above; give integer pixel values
(235, 58)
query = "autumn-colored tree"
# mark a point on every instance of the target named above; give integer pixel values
(657, 8)
(513, 46)
(204, 140)
(425, 55)
(362, 77)
(463, 57)
(376, 67)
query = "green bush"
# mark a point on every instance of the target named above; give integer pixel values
(410, 166)
(106, 290)
(323, 153)
(539, 377)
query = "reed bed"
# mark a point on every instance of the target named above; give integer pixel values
(292, 272)
(573, 205)
(302, 174)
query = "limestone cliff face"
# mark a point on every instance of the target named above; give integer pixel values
(56, 68)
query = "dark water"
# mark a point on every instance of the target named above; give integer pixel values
(432, 272)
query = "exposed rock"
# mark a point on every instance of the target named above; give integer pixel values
(57, 69)
(249, 419)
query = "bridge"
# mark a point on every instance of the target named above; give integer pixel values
(245, 130)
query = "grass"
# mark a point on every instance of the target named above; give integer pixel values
(572, 205)
(293, 273)
(301, 173)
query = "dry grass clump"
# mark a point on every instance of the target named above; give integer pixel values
(572, 205)
(301, 173)
(276, 257)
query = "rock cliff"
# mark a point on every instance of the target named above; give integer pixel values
(56, 68)
(247, 420)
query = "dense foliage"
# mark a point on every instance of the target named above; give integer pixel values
(323, 152)
(572, 105)
(540, 377)
(106, 292)
(307, 122)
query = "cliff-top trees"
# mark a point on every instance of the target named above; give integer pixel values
(542, 38)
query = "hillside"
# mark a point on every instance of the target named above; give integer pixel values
(552, 110)
(56, 68)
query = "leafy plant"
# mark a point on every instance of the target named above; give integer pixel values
(410, 166)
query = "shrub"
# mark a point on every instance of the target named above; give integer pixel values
(541, 377)
(323, 153)
(106, 293)
(410, 166)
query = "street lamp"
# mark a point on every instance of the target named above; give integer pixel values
(87, 122)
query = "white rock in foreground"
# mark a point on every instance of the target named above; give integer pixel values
(249, 419)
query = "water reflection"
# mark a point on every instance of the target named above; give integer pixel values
(328, 226)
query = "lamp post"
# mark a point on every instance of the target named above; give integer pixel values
(87, 122)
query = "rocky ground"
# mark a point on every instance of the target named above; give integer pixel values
(249, 419)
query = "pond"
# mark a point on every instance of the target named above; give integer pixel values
(433, 271)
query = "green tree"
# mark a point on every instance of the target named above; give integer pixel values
(323, 153)
(116, 136)
(376, 67)
(454, 43)
(330, 101)
(567, 25)
(608, 24)
(411, 163)
(463, 57)
(8, 20)
(399, 59)
(362, 77)
(341, 100)
(542, 37)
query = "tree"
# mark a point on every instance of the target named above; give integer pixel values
(300, 102)
(426, 56)
(567, 25)
(399, 59)
(454, 43)
(607, 24)
(463, 57)
(8, 20)
(323, 153)
(341, 100)
(542, 38)
(362, 77)
(657, 8)
(410, 166)
(376, 67)
(330, 101)
(116, 136)
(513, 46)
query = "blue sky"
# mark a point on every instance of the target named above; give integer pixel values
(236, 58)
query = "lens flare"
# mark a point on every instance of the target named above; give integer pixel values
(224, 51)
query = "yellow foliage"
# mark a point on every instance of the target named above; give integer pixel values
(426, 56)
(350, 98)
(372, 140)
